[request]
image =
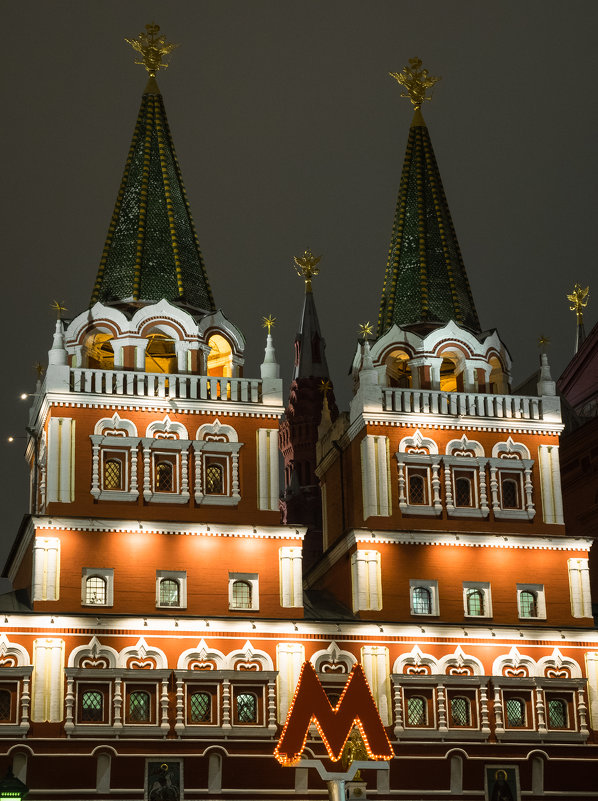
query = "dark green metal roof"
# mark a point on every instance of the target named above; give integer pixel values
(425, 278)
(151, 250)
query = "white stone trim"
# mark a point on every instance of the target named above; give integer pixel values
(366, 580)
(290, 656)
(459, 659)
(418, 443)
(555, 662)
(456, 447)
(484, 588)
(253, 580)
(510, 448)
(93, 651)
(14, 650)
(60, 481)
(432, 586)
(538, 590)
(46, 569)
(235, 660)
(166, 426)
(579, 587)
(268, 488)
(333, 655)
(550, 484)
(291, 576)
(47, 694)
(375, 661)
(591, 659)
(142, 652)
(415, 658)
(218, 431)
(375, 476)
(201, 653)
(180, 576)
(115, 423)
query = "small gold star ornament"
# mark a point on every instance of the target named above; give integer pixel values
(365, 329)
(269, 322)
(58, 308)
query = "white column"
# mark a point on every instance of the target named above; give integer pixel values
(550, 483)
(374, 659)
(592, 674)
(69, 703)
(579, 587)
(147, 482)
(61, 460)
(291, 579)
(185, 473)
(226, 704)
(179, 726)
(46, 568)
(289, 657)
(267, 469)
(95, 466)
(48, 680)
(118, 704)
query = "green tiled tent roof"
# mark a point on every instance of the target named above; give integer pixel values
(151, 250)
(425, 278)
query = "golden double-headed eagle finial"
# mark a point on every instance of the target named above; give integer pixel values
(416, 82)
(307, 267)
(269, 323)
(152, 48)
(579, 300)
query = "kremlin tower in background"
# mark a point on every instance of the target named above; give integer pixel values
(162, 611)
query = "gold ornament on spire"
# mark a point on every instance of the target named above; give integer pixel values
(39, 369)
(269, 323)
(306, 267)
(365, 329)
(543, 342)
(58, 308)
(325, 387)
(579, 300)
(152, 48)
(416, 82)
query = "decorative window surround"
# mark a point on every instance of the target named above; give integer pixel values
(550, 484)
(252, 579)
(15, 669)
(477, 467)
(180, 576)
(112, 444)
(60, 484)
(230, 452)
(429, 463)
(374, 659)
(538, 591)
(290, 656)
(440, 684)
(106, 573)
(484, 588)
(512, 465)
(333, 661)
(432, 587)
(179, 449)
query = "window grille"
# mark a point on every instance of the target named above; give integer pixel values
(201, 707)
(515, 712)
(422, 601)
(164, 482)
(170, 592)
(475, 602)
(92, 706)
(416, 711)
(463, 491)
(246, 708)
(214, 479)
(510, 494)
(112, 474)
(95, 590)
(528, 604)
(417, 490)
(557, 713)
(241, 595)
(460, 711)
(4, 705)
(139, 707)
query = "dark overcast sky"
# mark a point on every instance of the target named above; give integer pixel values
(291, 134)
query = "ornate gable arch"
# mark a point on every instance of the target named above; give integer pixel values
(166, 426)
(248, 658)
(202, 657)
(460, 664)
(93, 655)
(165, 317)
(557, 666)
(332, 660)
(112, 425)
(464, 447)
(142, 655)
(514, 665)
(12, 654)
(510, 450)
(418, 444)
(416, 663)
(216, 431)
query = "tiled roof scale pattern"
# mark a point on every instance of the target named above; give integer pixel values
(151, 250)
(425, 279)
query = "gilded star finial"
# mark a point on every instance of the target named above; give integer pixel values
(152, 48)
(416, 82)
(58, 308)
(39, 369)
(579, 300)
(306, 267)
(365, 329)
(269, 323)
(325, 387)
(543, 342)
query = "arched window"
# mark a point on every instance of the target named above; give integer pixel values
(417, 711)
(139, 707)
(170, 592)
(510, 493)
(241, 595)
(451, 372)
(164, 478)
(515, 712)
(95, 590)
(246, 708)
(417, 489)
(422, 601)
(92, 706)
(113, 474)
(475, 602)
(460, 711)
(5, 705)
(499, 384)
(528, 604)
(214, 479)
(398, 371)
(220, 357)
(463, 493)
(557, 713)
(98, 352)
(160, 354)
(201, 707)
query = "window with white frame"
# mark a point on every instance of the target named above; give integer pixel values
(114, 460)
(216, 450)
(171, 589)
(531, 601)
(97, 586)
(418, 472)
(476, 599)
(424, 597)
(465, 484)
(243, 591)
(511, 484)
(366, 579)
(464, 488)
(166, 462)
(165, 472)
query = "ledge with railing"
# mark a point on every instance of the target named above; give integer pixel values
(466, 404)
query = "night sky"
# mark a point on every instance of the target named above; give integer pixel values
(290, 134)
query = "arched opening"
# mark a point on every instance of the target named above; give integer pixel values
(98, 352)
(95, 590)
(422, 601)
(451, 372)
(220, 357)
(398, 371)
(515, 708)
(246, 708)
(170, 592)
(475, 602)
(92, 707)
(498, 379)
(139, 707)
(460, 711)
(528, 604)
(417, 708)
(241, 595)
(201, 707)
(160, 353)
(557, 713)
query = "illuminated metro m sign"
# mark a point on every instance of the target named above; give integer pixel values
(356, 707)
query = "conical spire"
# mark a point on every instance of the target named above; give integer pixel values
(425, 278)
(151, 250)
(310, 357)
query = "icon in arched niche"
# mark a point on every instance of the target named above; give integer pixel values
(163, 781)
